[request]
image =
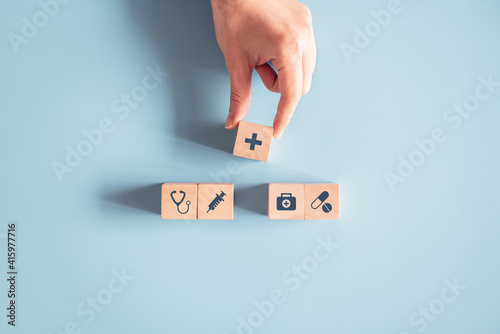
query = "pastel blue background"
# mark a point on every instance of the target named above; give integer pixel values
(396, 248)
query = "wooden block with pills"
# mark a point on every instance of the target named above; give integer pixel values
(215, 201)
(179, 200)
(286, 201)
(322, 201)
(253, 141)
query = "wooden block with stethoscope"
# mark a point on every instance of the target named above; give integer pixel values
(179, 201)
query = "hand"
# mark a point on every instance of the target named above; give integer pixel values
(251, 33)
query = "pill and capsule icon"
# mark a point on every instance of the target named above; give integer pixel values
(320, 201)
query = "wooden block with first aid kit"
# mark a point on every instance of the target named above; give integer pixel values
(285, 201)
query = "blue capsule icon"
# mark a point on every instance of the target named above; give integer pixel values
(319, 200)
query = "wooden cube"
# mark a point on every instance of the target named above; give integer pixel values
(286, 201)
(253, 141)
(179, 200)
(215, 201)
(322, 201)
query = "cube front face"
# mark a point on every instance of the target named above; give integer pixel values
(253, 141)
(322, 201)
(286, 201)
(215, 201)
(179, 200)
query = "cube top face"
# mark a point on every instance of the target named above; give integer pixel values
(215, 201)
(179, 200)
(253, 141)
(286, 201)
(322, 201)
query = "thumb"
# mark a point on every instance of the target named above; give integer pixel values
(240, 77)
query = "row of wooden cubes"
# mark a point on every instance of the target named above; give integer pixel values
(216, 201)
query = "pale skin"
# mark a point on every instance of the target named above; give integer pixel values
(252, 33)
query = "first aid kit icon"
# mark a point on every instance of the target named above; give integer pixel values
(286, 202)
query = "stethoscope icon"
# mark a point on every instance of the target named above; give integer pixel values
(180, 202)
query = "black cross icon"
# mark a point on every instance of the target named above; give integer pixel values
(253, 141)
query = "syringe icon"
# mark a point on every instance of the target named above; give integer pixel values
(218, 198)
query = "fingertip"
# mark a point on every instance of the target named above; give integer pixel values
(229, 122)
(237, 123)
(278, 132)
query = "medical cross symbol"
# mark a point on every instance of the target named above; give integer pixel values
(253, 141)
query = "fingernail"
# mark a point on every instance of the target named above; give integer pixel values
(229, 122)
(278, 134)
